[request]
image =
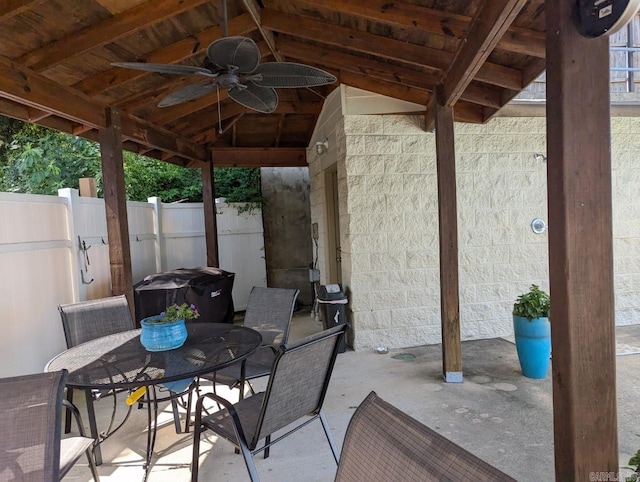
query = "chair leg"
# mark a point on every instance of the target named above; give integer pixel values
(327, 432)
(92, 465)
(267, 441)
(67, 415)
(196, 451)
(248, 460)
(93, 426)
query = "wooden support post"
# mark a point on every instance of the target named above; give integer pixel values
(448, 212)
(210, 222)
(580, 250)
(115, 203)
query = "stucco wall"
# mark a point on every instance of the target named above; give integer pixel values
(287, 224)
(389, 224)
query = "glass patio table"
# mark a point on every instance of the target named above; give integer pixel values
(119, 361)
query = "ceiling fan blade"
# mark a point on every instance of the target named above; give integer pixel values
(261, 99)
(187, 93)
(241, 52)
(164, 68)
(289, 74)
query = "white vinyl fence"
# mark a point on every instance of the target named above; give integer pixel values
(54, 250)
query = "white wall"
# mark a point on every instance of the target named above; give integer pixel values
(43, 265)
(389, 214)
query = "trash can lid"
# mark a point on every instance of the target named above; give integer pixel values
(180, 278)
(329, 293)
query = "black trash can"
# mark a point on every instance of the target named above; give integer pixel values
(333, 303)
(209, 289)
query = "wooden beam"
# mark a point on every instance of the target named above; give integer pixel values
(383, 47)
(580, 249)
(210, 221)
(430, 116)
(464, 112)
(10, 8)
(29, 88)
(180, 51)
(493, 18)
(259, 156)
(490, 97)
(107, 31)
(206, 129)
(448, 217)
(276, 143)
(409, 16)
(26, 87)
(115, 204)
(253, 9)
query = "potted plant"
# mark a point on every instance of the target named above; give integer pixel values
(533, 332)
(167, 330)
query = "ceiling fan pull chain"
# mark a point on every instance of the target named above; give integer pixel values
(219, 114)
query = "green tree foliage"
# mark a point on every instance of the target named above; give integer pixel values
(37, 160)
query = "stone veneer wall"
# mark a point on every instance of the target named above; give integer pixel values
(389, 224)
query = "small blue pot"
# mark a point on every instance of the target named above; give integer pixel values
(533, 342)
(162, 336)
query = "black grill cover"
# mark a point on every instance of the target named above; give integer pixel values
(209, 289)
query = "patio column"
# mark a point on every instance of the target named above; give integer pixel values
(115, 203)
(580, 249)
(448, 217)
(210, 221)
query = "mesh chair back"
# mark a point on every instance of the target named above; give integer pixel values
(30, 424)
(299, 381)
(269, 311)
(383, 443)
(88, 320)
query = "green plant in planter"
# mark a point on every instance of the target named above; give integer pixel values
(177, 312)
(532, 305)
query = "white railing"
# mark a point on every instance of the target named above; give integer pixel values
(54, 250)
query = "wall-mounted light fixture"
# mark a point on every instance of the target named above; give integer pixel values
(538, 226)
(322, 147)
(539, 157)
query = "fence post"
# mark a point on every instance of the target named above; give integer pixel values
(79, 289)
(161, 261)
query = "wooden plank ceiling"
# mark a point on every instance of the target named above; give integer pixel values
(55, 66)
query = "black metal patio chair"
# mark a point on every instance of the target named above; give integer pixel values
(31, 445)
(383, 443)
(269, 311)
(294, 395)
(87, 320)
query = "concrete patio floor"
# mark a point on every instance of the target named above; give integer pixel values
(496, 413)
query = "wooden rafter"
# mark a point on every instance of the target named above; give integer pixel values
(29, 88)
(170, 54)
(493, 18)
(407, 15)
(464, 112)
(383, 47)
(9, 8)
(253, 9)
(107, 31)
(381, 70)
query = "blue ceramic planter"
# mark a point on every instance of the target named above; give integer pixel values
(533, 342)
(162, 336)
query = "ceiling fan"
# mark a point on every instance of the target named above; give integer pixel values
(233, 63)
